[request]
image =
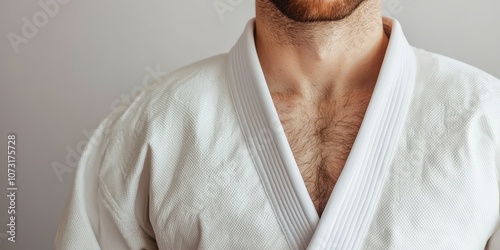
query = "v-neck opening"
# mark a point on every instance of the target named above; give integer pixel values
(346, 216)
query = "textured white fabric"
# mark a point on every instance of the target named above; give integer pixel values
(201, 162)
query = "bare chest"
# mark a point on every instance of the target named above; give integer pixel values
(321, 139)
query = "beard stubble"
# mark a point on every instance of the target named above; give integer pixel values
(316, 10)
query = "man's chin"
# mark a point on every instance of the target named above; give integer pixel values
(316, 11)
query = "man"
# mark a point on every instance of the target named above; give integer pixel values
(322, 128)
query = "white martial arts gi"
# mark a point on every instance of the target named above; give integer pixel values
(201, 162)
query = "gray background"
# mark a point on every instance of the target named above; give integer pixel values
(86, 56)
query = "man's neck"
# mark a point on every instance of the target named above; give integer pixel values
(308, 59)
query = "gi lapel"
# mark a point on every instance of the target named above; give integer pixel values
(267, 143)
(354, 199)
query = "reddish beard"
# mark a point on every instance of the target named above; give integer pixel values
(316, 10)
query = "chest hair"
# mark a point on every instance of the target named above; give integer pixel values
(321, 136)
